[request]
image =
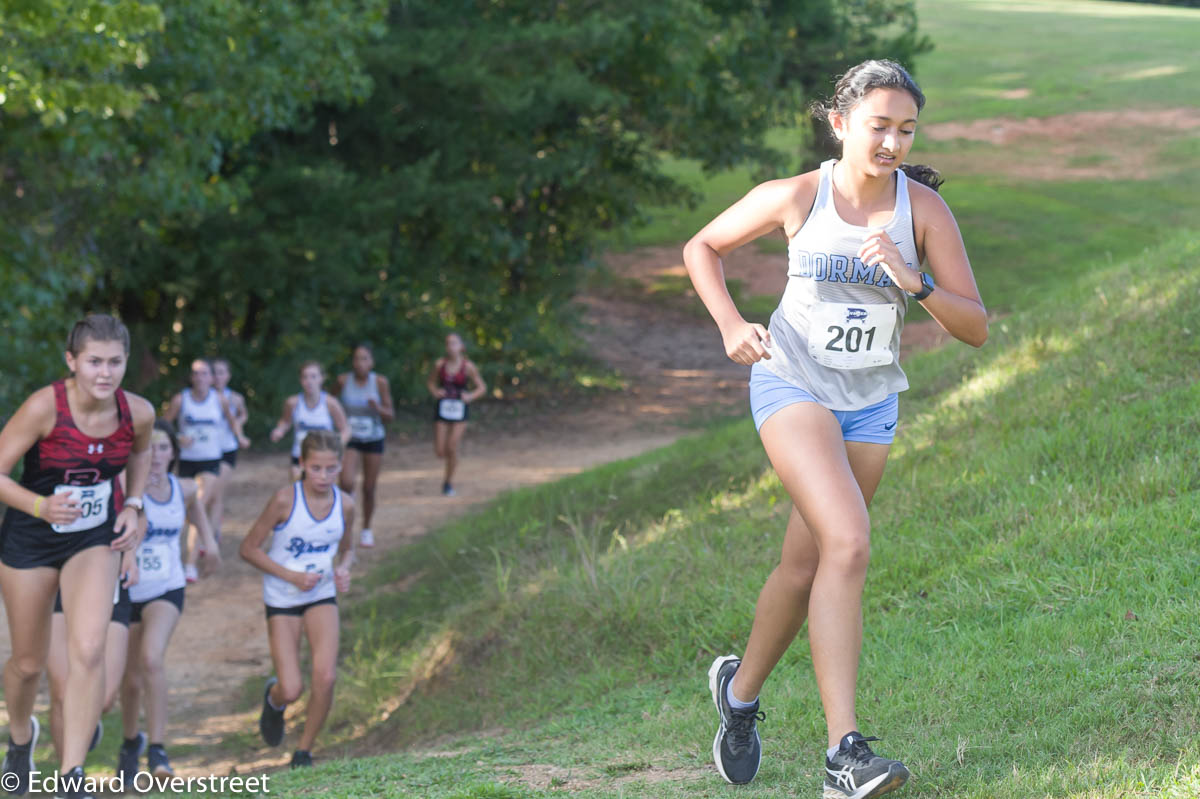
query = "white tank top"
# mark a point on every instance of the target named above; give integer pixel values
(303, 543)
(365, 424)
(229, 442)
(305, 419)
(160, 566)
(201, 421)
(836, 332)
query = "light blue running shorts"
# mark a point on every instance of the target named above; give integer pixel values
(874, 424)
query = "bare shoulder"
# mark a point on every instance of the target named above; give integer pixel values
(381, 381)
(38, 410)
(140, 408)
(282, 500)
(927, 204)
(796, 196)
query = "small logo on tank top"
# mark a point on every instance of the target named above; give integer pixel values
(95, 449)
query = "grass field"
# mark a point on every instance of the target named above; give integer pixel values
(1031, 607)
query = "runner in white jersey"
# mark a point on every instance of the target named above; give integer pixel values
(823, 394)
(231, 439)
(200, 413)
(367, 399)
(311, 409)
(157, 602)
(306, 563)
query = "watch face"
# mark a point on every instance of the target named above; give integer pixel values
(927, 281)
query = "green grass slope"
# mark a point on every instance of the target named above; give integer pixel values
(1030, 612)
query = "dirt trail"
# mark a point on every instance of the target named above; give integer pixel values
(677, 373)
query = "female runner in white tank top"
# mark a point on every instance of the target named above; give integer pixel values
(367, 400)
(157, 602)
(823, 392)
(306, 563)
(232, 438)
(200, 413)
(311, 409)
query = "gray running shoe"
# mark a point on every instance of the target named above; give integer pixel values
(157, 761)
(855, 772)
(19, 761)
(737, 749)
(128, 756)
(270, 723)
(72, 785)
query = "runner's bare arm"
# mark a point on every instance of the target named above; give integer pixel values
(480, 387)
(137, 468)
(340, 423)
(285, 419)
(955, 302)
(235, 424)
(341, 383)
(197, 516)
(385, 408)
(173, 408)
(767, 207)
(32, 422)
(432, 382)
(347, 548)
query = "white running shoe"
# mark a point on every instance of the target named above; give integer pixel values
(190, 574)
(366, 538)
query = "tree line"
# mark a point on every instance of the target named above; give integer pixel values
(277, 181)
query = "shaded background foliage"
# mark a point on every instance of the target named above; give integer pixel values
(275, 182)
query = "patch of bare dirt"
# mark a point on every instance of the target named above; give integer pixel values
(1081, 145)
(545, 777)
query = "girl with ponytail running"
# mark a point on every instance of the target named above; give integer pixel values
(824, 381)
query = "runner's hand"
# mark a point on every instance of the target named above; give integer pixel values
(60, 508)
(276, 434)
(243, 442)
(747, 343)
(305, 581)
(127, 528)
(439, 393)
(878, 249)
(129, 569)
(211, 562)
(341, 578)
(185, 441)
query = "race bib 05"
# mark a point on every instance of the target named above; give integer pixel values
(93, 504)
(452, 410)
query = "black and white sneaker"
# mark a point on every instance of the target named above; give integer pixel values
(270, 723)
(737, 748)
(19, 761)
(97, 735)
(301, 759)
(128, 756)
(72, 784)
(855, 772)
(157, 762)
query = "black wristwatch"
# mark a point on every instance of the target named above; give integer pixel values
(926, 287)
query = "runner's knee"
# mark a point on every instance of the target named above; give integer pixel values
(324, 678)
(290, 690)
(27, 667)
(848, 553)
(87, 652)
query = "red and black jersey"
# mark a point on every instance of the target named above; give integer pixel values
(68, 456)
(453, 384)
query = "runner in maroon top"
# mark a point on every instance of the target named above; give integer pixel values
(67, 523)
(448, 385)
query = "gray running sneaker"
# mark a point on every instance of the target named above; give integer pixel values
(157, 761)
(73, 785)
(737, 749)
(19, 761)
(270, 723)
(128, 756)
(855, 772)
